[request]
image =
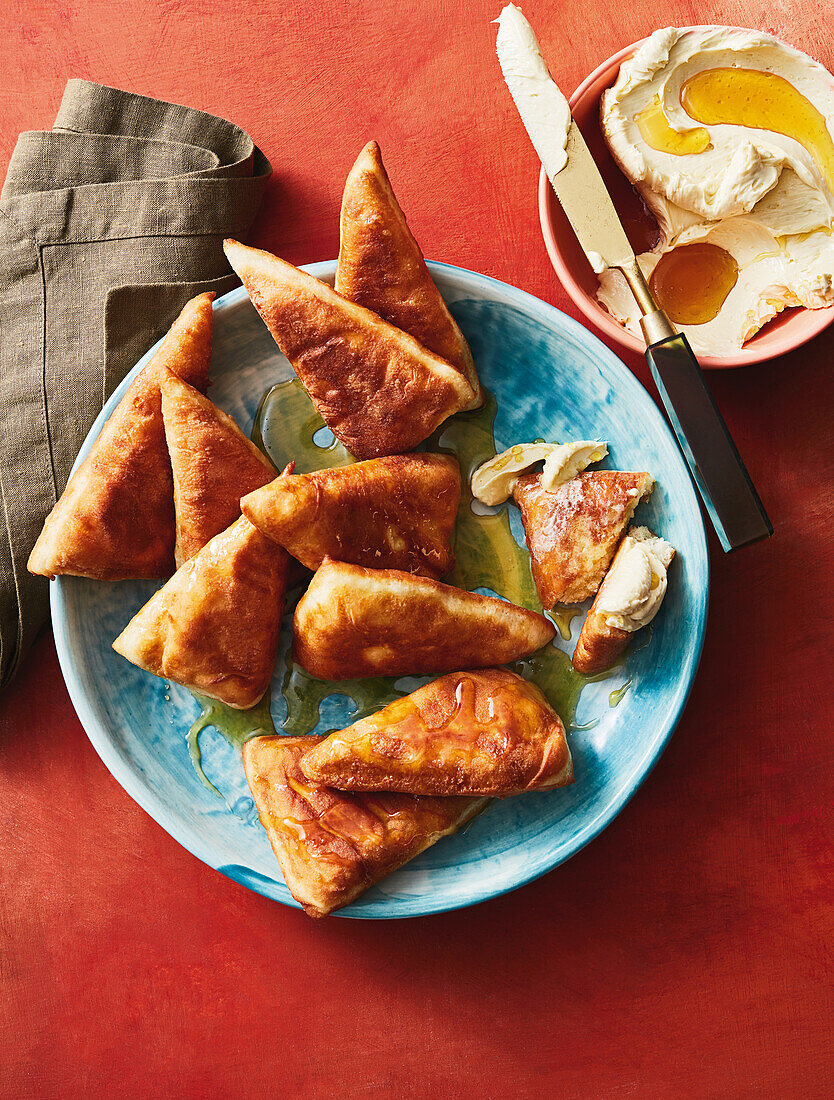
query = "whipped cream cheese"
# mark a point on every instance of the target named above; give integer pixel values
(543, 109)
(740, 164)
(570, 459)
(494, 480)
(763, 196)
(634, 587)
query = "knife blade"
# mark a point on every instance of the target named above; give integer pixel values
(591, 212)
(726, 488)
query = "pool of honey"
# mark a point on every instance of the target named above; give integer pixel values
(692, 282)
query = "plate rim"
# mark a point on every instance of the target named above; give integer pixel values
(145, 796)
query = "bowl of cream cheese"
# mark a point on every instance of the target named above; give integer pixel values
(716, 145)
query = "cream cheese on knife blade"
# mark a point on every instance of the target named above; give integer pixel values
(543, 109)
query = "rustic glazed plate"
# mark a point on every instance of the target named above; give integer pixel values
(552, 379)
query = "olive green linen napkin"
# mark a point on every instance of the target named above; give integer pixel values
(109, 223)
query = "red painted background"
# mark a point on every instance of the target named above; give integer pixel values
(687, 951)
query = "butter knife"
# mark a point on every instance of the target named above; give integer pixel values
(726, 489)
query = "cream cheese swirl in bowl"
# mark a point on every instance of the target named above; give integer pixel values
(727, 136)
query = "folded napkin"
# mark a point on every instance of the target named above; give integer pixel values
(109, 223)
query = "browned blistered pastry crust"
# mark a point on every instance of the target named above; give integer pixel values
(214, 626)
(354, 622)
(599, 645)
(572, 533)
(378, 389)
(381, 266)
(332, 846)
(213, 463)
(395, 512)
(476, 733)
(115, 519)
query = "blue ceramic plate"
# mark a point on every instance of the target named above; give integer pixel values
(552, 379)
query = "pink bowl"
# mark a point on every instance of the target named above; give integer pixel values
(784, 333)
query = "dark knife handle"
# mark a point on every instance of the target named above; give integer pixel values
(730, 497)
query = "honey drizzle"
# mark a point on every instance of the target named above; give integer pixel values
(760, 101)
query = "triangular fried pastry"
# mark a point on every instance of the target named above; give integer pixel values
(332, 846)
(396, 512)
(213, 462)
(353, 622)
(628, 600)
(484, 733)
(381, 266)
(115, 519)
(572, 533)
(379, 390)
(214, 626)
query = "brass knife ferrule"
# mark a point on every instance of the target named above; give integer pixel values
(655, 324)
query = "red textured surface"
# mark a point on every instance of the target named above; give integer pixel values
(684, 953)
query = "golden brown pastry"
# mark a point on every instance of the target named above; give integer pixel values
(572, 533)
(396, 512)
(381, 266)
(354, 622)
(214, 626)
(115, 519)
(213, 463)
(332, 846)
(628, 600)
(378, 390)
(476, 733)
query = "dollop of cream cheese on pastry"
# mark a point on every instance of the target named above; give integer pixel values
(543, 109)
(494, 480)
(570, 459)
(634, 587)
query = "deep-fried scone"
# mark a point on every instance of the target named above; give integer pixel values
(213, 463)
(354, 622)
(115, 519)
(572, 533)
(476, 733)
(332, 846)
(378, 389)
(381, 266)
(629, 599)
(396, 512)
(214, 626)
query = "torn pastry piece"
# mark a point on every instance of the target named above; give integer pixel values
(395, 512)
(381, 267)
(475, 733)
(494, 480)
(629, 599)
(214, 626)
(331, 845)
(353, 622)
(379, 391)
(573, 532)
(115, 519)
(213, 463)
